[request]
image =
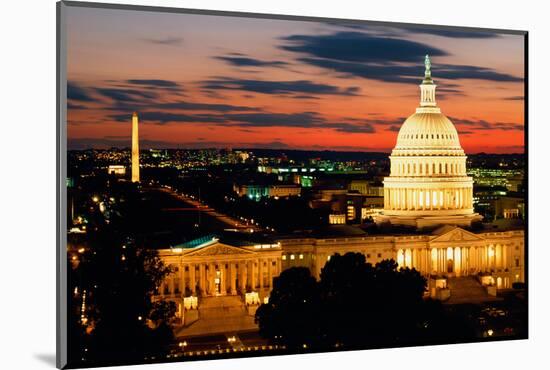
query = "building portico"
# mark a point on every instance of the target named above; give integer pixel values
(217, 269)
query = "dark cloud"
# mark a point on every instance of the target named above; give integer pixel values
(301, 120)
(184, 105)
(160, 117)
(75, 92)
(75, 106)
(170, 41)
(394, 128)
(452, 33)
(383, 58)
(514, 98)
(456, 72)
(359, 47)
(310, 120)
(126, 95)
(277, 87)
(305, 97)
(155, 83)
(486, 125)
(409, 74)
(405, 30)
(240, 60)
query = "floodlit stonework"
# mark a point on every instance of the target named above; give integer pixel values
(135, 148)
(215, 269)
(428, 185)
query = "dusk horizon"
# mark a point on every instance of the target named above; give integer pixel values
(290, 84)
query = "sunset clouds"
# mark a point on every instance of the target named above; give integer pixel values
(201, 80)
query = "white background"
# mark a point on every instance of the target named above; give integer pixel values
(27, 181)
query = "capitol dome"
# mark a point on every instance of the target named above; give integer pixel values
(428, 131)
(428, 184)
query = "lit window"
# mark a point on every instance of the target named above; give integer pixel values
(328, 258)
(301, 256)
(284, 257)
(291, 256)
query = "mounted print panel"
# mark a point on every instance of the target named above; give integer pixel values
(238, 185)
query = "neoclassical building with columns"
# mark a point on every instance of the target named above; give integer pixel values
(428, 202)
(216, 268)
(211, 267)
(428, 185)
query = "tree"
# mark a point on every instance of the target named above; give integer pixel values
(127, 318)
(292, 314)
(354, 304)
(121, 275)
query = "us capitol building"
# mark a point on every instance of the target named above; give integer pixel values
(427, 192)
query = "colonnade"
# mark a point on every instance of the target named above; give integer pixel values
(427, 199)
(447, 166)
(459, 260)
(223, 277)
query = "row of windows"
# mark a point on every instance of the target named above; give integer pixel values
(427, 136)
(300, 256)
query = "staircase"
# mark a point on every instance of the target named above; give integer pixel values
(221, 307)
(467, 289)
(219, 315)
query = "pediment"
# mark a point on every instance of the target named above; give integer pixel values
(456, 234)
(218, 249)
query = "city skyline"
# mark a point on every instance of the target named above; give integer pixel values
(283, 84)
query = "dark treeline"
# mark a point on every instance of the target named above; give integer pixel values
(355, 305)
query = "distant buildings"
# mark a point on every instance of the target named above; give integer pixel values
(118, 170)
(259, 191)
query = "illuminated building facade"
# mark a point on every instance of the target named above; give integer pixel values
(216, 268)
(135, 148)
(428, 185)
(259, 191)
(117, 170)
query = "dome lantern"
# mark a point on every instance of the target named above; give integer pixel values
(427, 88)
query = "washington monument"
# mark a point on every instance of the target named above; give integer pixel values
(135, 148)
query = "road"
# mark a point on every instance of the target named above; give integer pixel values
(230, 222)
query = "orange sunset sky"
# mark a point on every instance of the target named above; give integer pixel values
(202, 81)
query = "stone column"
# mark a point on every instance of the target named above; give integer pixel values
(182, 280)
(505, 249)
(270, 272)
(192, 281)
(242, 274)
(261, 272)
(171, 285)
(223, 278)
(233, 277)
(202, 279)
(252, 275)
